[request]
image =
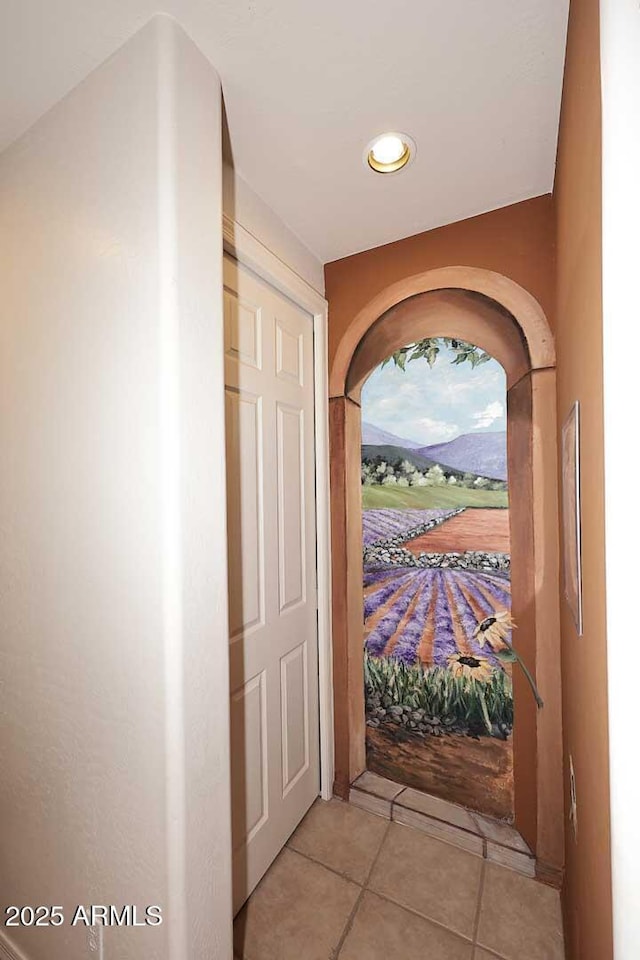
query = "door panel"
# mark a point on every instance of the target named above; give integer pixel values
(272, 570)
(249, 739)
(245, 514)
(295, 729)
(291, 513)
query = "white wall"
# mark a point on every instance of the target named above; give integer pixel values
(620, 51)
(242, 204)
(114, 782)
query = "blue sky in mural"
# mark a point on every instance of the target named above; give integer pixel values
(433, 405)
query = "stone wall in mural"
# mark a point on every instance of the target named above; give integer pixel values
(437, 592)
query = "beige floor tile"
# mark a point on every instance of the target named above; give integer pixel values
(299, 909)
(379, 786)
(438, 829)
(501, 832)
(438, 880)
(520, 918)
(382, 930)
(521, 862)
(341, 836)
(435, 807)
(371, 803)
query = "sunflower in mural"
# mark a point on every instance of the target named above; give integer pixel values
(470, 667)
(494, 631)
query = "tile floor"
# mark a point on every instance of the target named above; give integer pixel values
(353, 886)
(493, 839)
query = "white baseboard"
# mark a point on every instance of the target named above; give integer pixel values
(8, 950)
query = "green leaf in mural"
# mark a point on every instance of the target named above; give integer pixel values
(507, 656)
(429, 349)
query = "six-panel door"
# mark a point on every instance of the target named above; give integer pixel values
(272, 569)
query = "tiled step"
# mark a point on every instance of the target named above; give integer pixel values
(492, 839)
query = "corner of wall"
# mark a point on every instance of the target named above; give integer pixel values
(244, 206)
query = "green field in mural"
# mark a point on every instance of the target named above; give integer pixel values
(417, 498)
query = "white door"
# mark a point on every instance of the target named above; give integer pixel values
(272, 570)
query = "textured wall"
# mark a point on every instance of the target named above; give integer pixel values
(114, 785)
(242, 204)
(517, 241)
(579, 377)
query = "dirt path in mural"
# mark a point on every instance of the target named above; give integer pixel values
(475, 529)
(475, 773)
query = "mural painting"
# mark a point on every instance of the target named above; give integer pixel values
(437, 594)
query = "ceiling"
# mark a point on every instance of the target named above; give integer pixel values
(476, 83)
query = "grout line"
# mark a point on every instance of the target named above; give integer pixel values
(319, 863)
(364, 888)
(476, 922)
(475, 832)
(377, 857)
(421, 916)
(356, 906)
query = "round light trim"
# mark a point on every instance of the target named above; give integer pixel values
(389, 152)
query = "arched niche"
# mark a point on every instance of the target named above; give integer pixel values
(503, 319)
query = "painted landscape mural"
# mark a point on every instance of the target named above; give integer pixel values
(437, 592)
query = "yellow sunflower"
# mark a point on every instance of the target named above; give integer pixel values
(466, 665)
(494, 631)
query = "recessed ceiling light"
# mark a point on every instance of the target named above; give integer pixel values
(389, 152)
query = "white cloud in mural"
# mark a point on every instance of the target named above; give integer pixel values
(455, 393)
(433, 431)
(484, 418)
(435, 404)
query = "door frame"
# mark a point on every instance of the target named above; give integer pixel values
(253, 254)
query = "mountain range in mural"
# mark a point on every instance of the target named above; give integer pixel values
(375, 436)
(484, 454)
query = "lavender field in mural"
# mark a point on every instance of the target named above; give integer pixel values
(380, 525)
(425, 616)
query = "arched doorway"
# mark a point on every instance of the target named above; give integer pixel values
(504, 320)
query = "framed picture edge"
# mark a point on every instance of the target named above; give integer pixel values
(578, 612)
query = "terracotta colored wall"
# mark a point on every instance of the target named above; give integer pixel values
(517, 241)
(579, 377)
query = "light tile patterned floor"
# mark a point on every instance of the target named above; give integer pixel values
(494, 839)
(352, 886)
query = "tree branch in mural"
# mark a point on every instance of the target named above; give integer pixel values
(494, 631)
(430, 347)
